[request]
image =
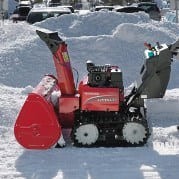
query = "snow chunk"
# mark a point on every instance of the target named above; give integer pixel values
(55, 96)
(28, 89)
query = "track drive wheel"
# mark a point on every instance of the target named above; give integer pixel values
(134, 133)
(86, 135)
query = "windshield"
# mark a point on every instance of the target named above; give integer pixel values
(22, 11)
(40, 16)
(148, 7)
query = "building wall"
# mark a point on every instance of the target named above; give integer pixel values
(7, 7)
(3, 5)
(11, 6)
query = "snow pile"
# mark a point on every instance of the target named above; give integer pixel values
(91, 24)
(100, 37)
(103, 37)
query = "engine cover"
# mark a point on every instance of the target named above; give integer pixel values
(100, 99)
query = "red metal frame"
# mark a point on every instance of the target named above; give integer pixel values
(64, 70)
(67, 106)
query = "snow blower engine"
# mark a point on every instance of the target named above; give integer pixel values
(97, 112)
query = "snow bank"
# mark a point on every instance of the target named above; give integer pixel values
(91, 24)
(11, 99)
(115, 37)
(104, 37)
(24, 59)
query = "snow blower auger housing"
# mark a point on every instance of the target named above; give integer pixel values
(97, 112)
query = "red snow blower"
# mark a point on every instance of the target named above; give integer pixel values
(97, 112)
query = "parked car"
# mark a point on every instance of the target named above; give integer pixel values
(101, 8)
(129, 9)
(50, 4)
(170, 17)
(152, 9)
(40, 14)
(20, 13)
(57, 3)
(25, 3)
(69, 7)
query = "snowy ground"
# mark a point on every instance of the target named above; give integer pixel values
(104, 37)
